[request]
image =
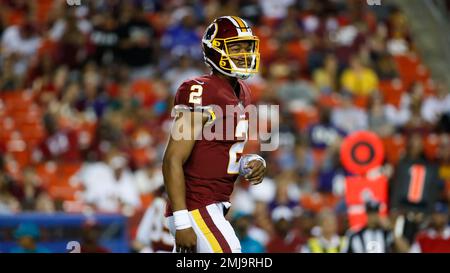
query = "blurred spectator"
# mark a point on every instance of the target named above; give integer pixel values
(378, 121)
(110, 187)
(285, 239)
(28, 235)
(276, 9)
(136, 41)
(324, 134)
(90, 236)
(398, 42)
(385, 67)
(185, 69)
(287, 191)
(289, 29)
(59, 144)
(328, 240)
(33, 196)
(359, 79)
(8, 202)
(305, 161)
(20, 43)
(331, 175)
(435, 239)
(8, 189)
(93, 101)
(242, 222)
(416, 123)
(8, 79)
(65, 18)
(153, 234)
(295, 89)
(104, 37)
(251, 11)
(182, 38)
(71, 41)
(444, 166)
(149, 178)
(348, 117)
(326, 77)
(399, 116)
(433, 107)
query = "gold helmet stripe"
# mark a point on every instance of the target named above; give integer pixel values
(242, 25)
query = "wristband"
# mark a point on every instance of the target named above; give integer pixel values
(182, 219)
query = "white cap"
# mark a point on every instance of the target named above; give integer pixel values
(282, 212)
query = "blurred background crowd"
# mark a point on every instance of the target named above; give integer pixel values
(86, 94)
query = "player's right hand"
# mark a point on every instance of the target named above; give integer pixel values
(186, 240)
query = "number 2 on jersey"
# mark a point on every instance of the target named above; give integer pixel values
(195, 96)
(238, 147)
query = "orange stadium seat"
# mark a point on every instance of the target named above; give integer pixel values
(146, 200)
(317, 201)
(18, 148)
(395, 147)
(144, 90)
(48, 173)
(56, 177)
(300, 51)
(392, 91)
(431, 146)
(43, 10)
(430, 88)
(140, 156)
(305, 118)
(63, 192)
(361, 101)
(15, 17)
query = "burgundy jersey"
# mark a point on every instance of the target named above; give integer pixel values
(429, 241)
(213, 166)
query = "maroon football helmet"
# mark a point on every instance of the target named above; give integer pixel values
(230, 47)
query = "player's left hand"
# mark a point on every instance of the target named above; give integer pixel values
(257, 172)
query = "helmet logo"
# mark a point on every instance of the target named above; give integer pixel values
(210, 32)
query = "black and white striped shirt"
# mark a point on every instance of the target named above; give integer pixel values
(370, 241)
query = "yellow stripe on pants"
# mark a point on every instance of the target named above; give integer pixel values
(206, 231)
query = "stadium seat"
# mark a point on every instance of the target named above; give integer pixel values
(431, 146)
(407, 67)
(305, 117)
(361, 101)
(143, 90)
(48, 173)
(299, 51)
(146, 200)
(392, 91)
(394, 146)
(317, 201)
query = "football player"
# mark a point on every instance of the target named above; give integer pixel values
(199, 174)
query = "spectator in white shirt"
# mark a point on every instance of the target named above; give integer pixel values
(348, 117)
(434, 106)
(20, 42)
(276, 9)
(110, 186)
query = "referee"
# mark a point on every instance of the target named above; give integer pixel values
(374, 237)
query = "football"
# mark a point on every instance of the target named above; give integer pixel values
(245, 159)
